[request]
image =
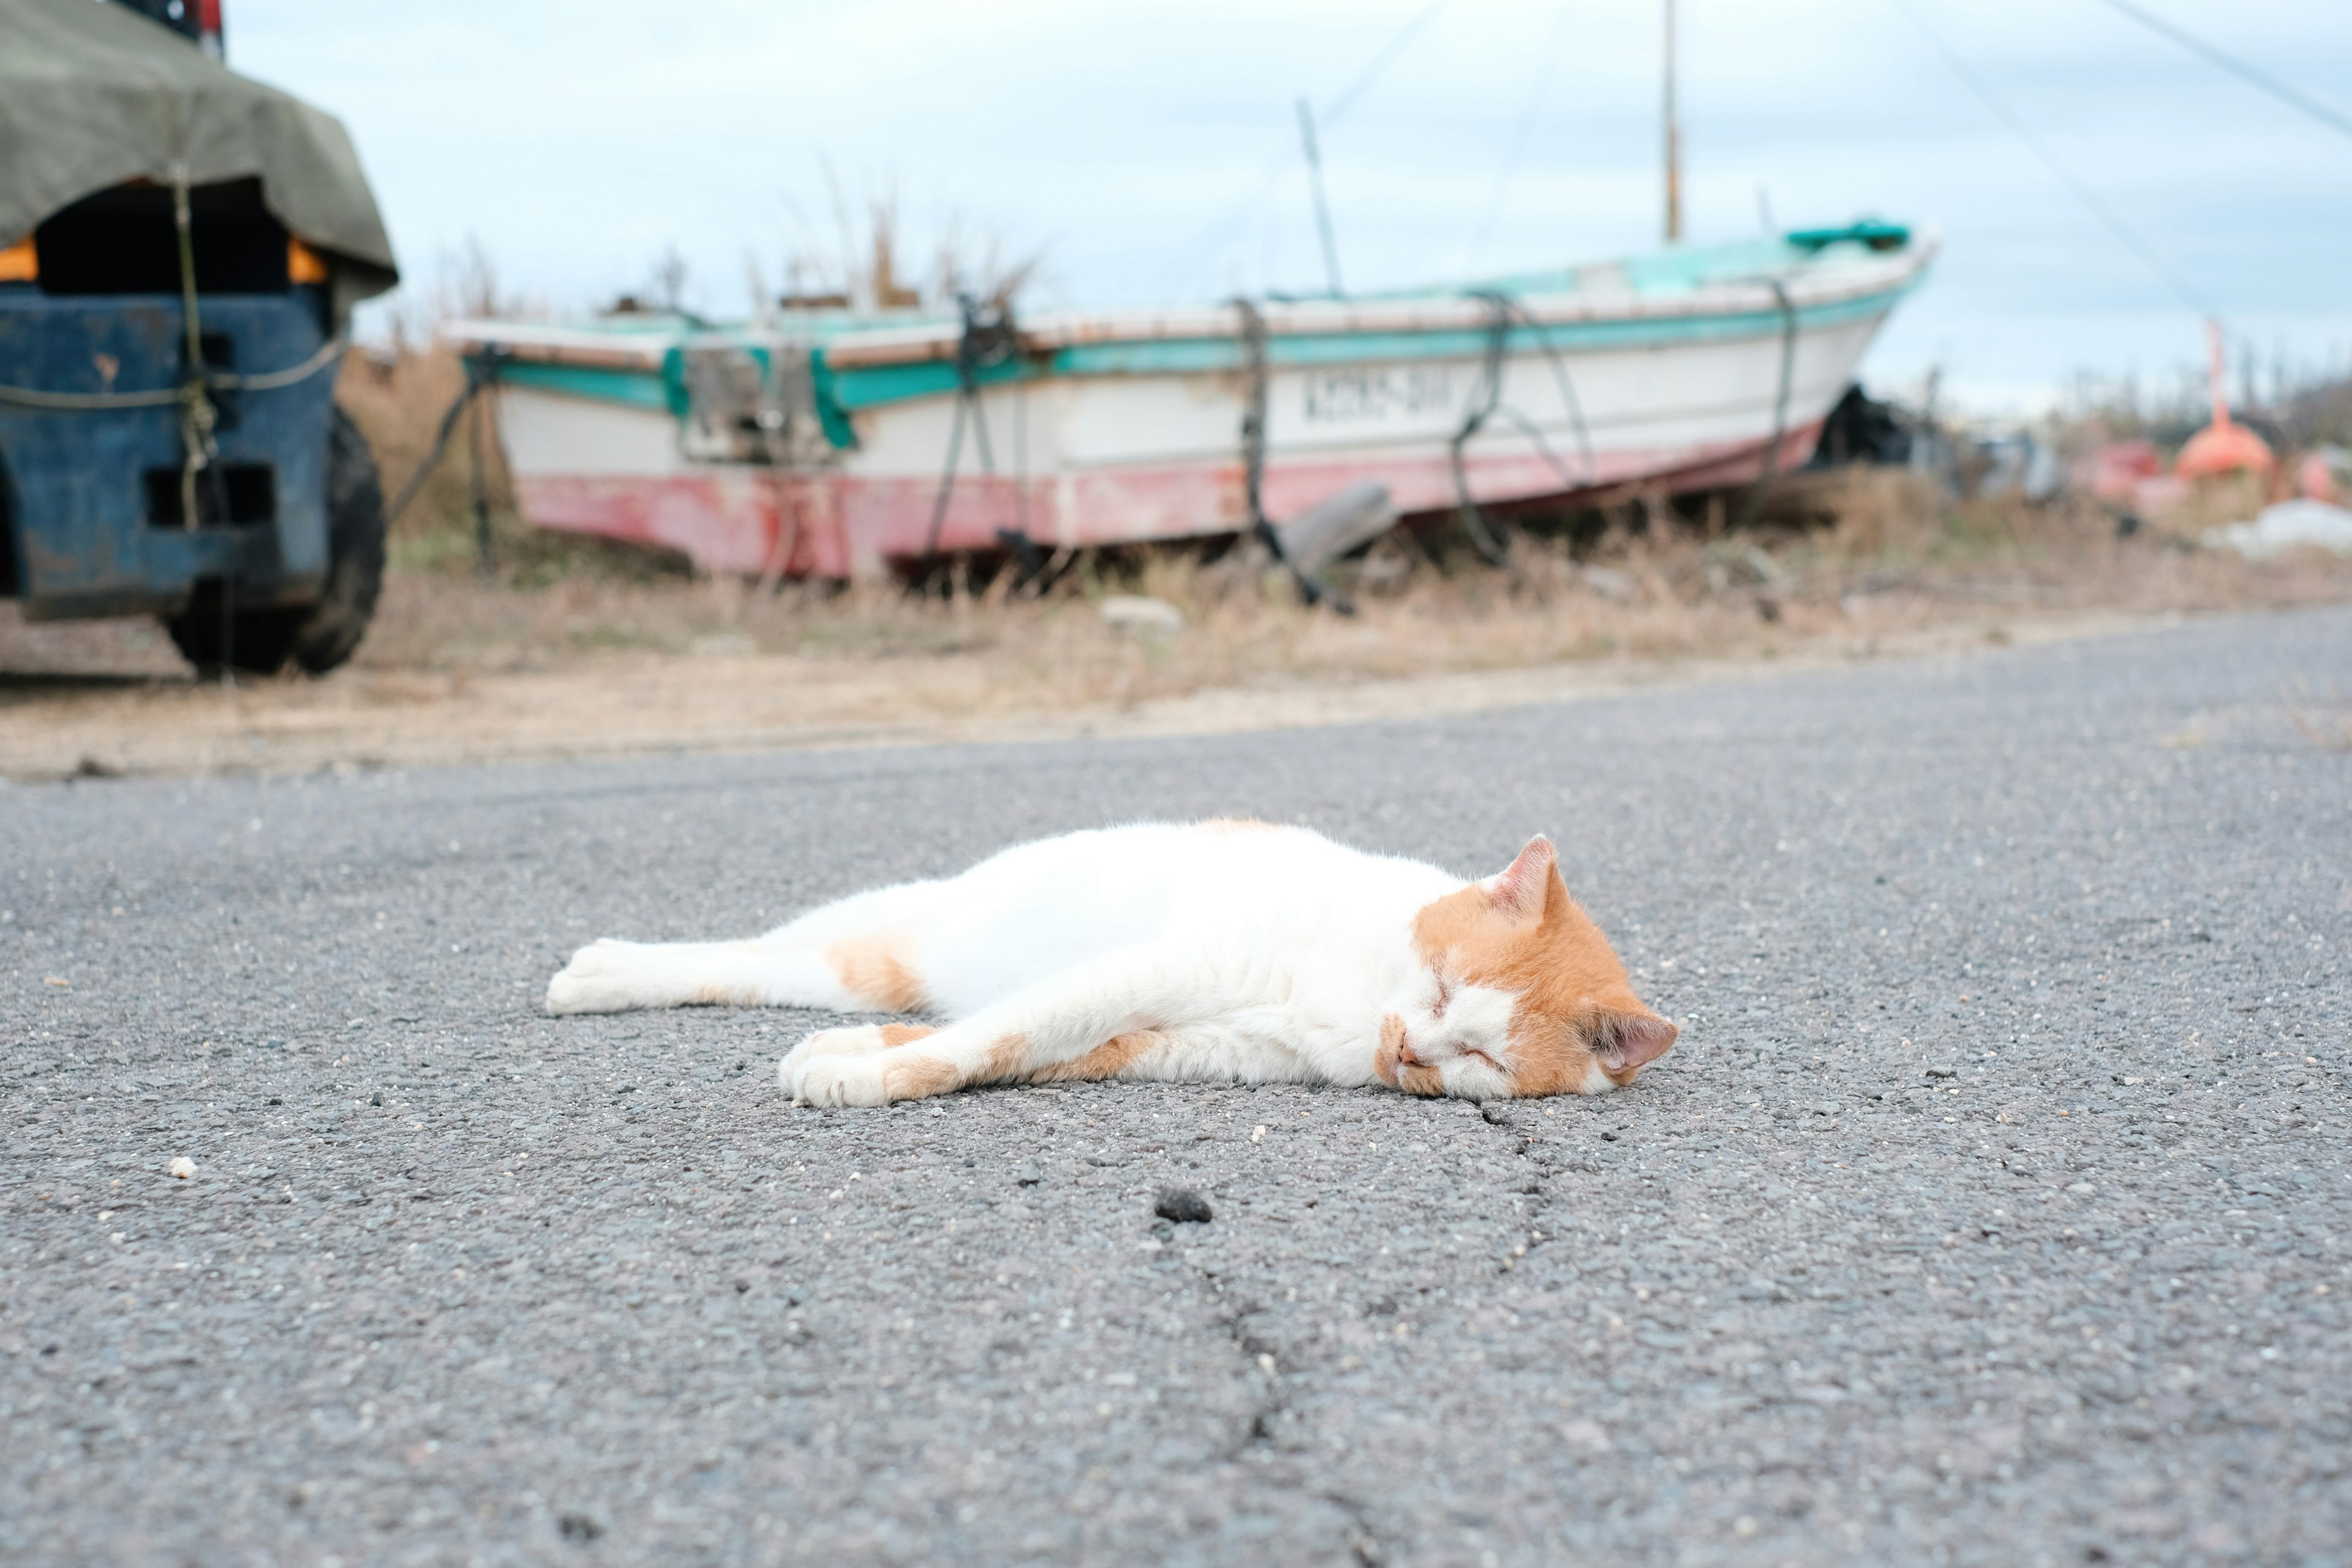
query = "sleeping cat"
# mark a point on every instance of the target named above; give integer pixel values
(1227, 950)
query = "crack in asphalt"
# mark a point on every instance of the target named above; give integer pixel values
(2096, 1300)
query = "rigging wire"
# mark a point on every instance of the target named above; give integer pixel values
(1345, 98)
(2294, 97)
(1214, 236)
(2113, 220)
(1554, 43)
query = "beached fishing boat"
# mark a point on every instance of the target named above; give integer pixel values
(832, 444)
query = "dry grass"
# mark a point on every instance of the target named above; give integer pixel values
(1853, 555)
(1845, 557)
(575, 644)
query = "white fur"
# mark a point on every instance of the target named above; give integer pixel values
(1259, 954)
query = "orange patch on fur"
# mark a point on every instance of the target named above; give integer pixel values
(919, 1079)
(875, 970)
(1005, 1057)
(1426, 1082)
(1385, 1060)
(1390, 1067)
(1574, 998)
(904, 1034)
(1107, 1060)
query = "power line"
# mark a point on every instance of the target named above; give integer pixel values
(1218, 232)
(1554, 43)
(2268, 83)
(1345, 98)
(2065, 177)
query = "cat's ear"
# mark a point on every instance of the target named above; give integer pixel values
(1526, 883)
(1624, 1041)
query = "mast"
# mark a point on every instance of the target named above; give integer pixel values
(1322, 204)
(1673, 142)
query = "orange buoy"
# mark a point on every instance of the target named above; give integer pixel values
(2224, 447)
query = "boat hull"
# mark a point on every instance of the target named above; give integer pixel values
(1137, 438)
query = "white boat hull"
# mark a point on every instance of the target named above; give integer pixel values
(1154, 454)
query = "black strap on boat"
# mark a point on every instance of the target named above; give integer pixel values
(989, 340)
(1310, 591)
(1503, 310)
(1755, 502)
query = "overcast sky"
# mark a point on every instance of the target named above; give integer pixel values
(1147, 148)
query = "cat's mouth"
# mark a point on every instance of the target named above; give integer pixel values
(1408, 1056)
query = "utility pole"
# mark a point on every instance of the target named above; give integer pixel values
(1673, 142)
(1322, 204)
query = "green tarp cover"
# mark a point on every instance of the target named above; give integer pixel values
(93, 95)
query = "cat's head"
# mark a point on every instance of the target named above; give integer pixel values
(1518, 994)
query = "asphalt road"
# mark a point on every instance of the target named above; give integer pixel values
(1994, 1208)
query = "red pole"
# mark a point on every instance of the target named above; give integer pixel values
(2220, 371)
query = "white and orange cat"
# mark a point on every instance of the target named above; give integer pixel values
(1222, 952)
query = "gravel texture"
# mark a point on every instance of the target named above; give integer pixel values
(1994, 1208)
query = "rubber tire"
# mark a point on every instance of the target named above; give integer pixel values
(320, 636)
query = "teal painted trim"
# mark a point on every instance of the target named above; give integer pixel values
(870, 388)
(673, 375)
(864, 388)
(841, 393)
(831, 416)
(636, 388)
(1874, 233)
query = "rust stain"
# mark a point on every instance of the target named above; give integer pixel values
(878, 971)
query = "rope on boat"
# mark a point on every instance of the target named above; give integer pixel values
(1755, 502)
(1503, 308)
(1254, 458)
(481, 373)
(989, 340)
(164, 396)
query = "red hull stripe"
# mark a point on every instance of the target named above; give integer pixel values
(836, 525)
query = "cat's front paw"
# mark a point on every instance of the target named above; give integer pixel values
(599, 979)
(858, 1040)
(839, 1081)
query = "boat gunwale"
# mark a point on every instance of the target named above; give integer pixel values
(934, 343)
(881, 347)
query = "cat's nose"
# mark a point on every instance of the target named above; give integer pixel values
(1405, 1053)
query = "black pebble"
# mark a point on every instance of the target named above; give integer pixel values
(1183, 1205)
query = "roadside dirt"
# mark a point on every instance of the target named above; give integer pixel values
(574, 649)
(162, 721)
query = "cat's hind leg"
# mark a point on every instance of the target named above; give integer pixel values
(612, 976)
(1098, 1019)
(857, 954)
